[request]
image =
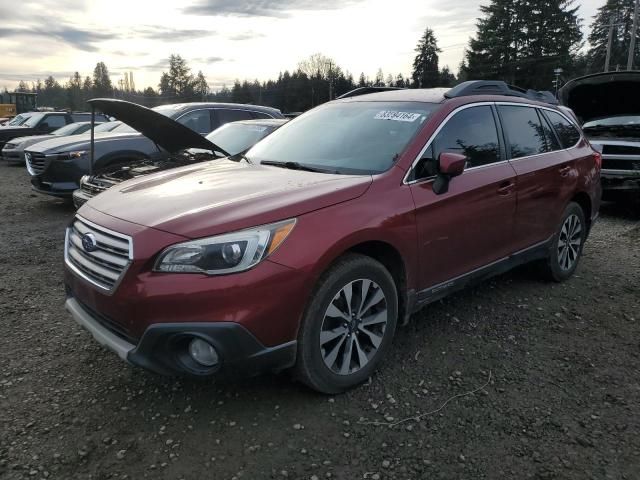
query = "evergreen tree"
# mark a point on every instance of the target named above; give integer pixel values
(523, 41)
(200, 86)
(425, 65)
(362, 81)
(621, 11)
(178, 81)
(400, 81)
(447, 78)
(379, 82)
(101, 81)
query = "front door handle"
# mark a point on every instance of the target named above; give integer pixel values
(506, 188)
(564, 171)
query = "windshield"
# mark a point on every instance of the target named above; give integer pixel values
(67, 129)
(614, 121)
(33, 120)
(169, 110)
(123, 128)
(234, 138)
(18, 120)
(346, 137)
(106, 127)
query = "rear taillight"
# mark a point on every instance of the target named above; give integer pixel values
(597, 157)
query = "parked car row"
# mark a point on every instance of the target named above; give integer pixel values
(304, 252)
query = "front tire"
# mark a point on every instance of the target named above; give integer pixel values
(348, 325)
(567, 243)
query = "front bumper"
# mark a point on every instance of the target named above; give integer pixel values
(163, 347)
(80, 198)
(13, 156)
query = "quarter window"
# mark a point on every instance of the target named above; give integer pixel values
(524, 131)
(226, 116)
(568, 134)
(198, 121)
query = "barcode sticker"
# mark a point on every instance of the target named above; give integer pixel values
(397, 116)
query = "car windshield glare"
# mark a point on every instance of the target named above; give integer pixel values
(614, 121)
(353, 137)
(66, 130)
(33, 120)
(234, 138)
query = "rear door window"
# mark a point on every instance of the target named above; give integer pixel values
(550, 136)
(226, 116)
(524, 131)
(197, 120)
(568, 134)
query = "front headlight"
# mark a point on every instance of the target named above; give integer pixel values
(223, 254)
(74, 155)
(9, 146)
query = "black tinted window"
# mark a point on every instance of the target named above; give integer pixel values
(55, 121)
(567, 133)
(471, 132)
(226, 116)
(524, 131)
(552, 140)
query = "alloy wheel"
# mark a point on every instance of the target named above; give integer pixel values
(569, 242)
(353, 326)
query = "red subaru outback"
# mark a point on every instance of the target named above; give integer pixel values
(305, 253)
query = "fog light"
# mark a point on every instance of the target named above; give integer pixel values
(203, 353)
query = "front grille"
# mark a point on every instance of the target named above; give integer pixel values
(105, 263)
(617, 164)
(620, 149)
(35, 162)
(90, 188)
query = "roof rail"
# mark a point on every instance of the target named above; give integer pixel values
(498, 87)
(365, 90)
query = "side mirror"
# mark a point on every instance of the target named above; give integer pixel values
(449, 165)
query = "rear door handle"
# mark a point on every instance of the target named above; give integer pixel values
(506, 188)
(564, 171)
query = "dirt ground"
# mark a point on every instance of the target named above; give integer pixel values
(555, 369)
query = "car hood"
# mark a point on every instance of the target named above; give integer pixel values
(602, 95)
(166, 132)
(32, 139)
(78, 142)
(222, 196)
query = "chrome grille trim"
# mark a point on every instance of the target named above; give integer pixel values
(104, 267)
(36, 162)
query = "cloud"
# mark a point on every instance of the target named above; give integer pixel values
(261, 8)
(250, 35)
(208, 59)
(77, 37)
(154, 32)
(33, 76)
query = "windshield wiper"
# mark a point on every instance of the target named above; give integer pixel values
(297, 166)
(239, 156)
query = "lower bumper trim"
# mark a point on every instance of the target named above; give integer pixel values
(103, 336)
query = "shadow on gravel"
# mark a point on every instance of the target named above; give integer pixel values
(623, 211)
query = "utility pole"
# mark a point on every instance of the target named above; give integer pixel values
(634, 30)
(609, 42)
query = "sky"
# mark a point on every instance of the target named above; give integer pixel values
(228, 39)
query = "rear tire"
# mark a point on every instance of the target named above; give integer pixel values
(566, 244)
(348, 325)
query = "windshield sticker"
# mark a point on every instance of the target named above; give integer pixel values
(397, 116)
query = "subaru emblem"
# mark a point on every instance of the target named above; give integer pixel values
(89, 242)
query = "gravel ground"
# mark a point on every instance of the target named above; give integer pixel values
(555, 372)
